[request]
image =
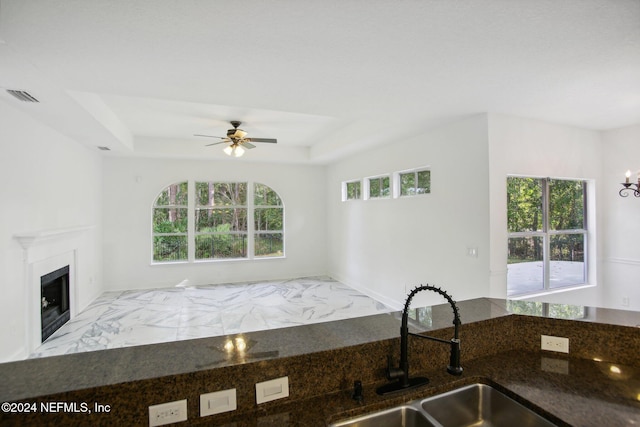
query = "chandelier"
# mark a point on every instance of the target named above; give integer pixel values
(630, 187)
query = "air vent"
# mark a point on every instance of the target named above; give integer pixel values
(103, 148)
(22, 95)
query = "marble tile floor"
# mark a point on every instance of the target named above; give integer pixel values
(137, 317)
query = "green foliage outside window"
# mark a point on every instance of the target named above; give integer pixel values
(353, 190)
(170, 224)
(415, 182)
(268, 222)
(220, 222)
(379, 187)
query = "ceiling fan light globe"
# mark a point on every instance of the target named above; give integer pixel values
(239, 151)
(228, 150)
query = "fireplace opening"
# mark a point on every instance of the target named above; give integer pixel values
(55, 301)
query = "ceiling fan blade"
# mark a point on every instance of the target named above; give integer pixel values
(216, 143)
(271, 140)
(247, 144)
(209, 136)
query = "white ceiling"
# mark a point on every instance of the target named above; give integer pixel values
(327, 78)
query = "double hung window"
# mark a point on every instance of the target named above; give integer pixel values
(547, 228)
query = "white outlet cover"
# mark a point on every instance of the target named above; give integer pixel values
(557, 344)
(218, 402)
(272, 390)
(168, 413)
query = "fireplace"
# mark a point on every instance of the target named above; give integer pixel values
(54, 292)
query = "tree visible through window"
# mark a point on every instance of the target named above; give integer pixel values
(547, 234)
(170, 224)
(415, 182)
(220, 219)
(268, 222)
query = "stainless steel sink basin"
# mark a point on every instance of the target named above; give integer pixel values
(480, 405)
(476, 405)
(400, 416)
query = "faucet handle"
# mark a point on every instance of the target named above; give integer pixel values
(393, 373)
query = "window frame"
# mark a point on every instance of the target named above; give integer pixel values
(155, 234)
(397, 182)
(241, 207)
(546, 233)
(193, 206)
(380, 178)
(345, 190)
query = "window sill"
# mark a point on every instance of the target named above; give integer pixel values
(215, 261)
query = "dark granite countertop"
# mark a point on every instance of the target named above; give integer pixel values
(587, 394)
(576, 390)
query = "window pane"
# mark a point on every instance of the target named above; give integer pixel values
(268, 244)
(268, 219)
(524, 204)
(221, 193)
(265, 196)
(525, 271)
(385, 190)
(353, 190)
(175, 194)
(566, 204)
(566, 260)
(424, 182)
(169, 220)
(407, 184)
(169, 248)
(374, 187)
(214, 246)
(211, 220)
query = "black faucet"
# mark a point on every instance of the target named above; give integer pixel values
(401, 373)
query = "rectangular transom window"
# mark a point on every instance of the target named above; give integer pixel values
(378, 187)
(351, 190)
(547, 228)
(414, 182)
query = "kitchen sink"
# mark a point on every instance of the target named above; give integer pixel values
(400, 416)
(480, 405)
(475, 405)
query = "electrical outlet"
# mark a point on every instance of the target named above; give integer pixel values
(625, 301)
(550, 343)
(168, 413)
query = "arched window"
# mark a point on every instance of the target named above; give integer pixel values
(217, 225)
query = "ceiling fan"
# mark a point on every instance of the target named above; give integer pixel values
(237, 140)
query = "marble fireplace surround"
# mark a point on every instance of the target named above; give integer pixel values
(321, 361)
(46, 251)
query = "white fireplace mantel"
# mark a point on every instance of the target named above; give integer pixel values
(34, 238)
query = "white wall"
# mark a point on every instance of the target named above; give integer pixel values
(49, 182)
(621, 220)
(528, 147)
(132, 184)
(385, 247)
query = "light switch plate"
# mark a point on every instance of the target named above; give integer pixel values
(218, 402)
(272, 390)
